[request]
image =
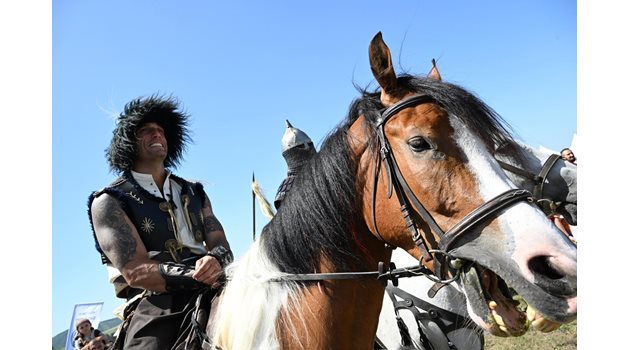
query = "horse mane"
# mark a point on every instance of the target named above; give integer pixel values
(318, 216)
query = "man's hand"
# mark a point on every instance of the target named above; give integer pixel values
(207, 271)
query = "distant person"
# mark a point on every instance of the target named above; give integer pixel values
(567, 154)
(158, 230)
(96, 344)
(297, 149)
(87, 333)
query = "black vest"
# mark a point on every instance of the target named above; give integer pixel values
(154, 217)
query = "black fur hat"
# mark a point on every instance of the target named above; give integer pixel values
(122, 151)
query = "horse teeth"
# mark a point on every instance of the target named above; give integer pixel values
(492, 304)
(539, 324)
(544, 325)
(531, 313)
(504, 329)
(498, 319)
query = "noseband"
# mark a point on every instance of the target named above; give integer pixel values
(408, 200)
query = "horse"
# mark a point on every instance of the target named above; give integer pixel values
(410, 318)
(410, 159)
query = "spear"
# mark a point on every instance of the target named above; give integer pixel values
(253, 208)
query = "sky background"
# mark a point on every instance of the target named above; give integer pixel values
(242, 68)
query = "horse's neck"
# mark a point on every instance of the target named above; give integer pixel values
(338, 314)
(335, 314)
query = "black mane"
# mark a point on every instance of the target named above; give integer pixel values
(319, 214)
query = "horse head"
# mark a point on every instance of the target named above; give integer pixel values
(425, 147)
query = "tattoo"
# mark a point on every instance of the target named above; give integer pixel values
(121, 246)
(211, 223)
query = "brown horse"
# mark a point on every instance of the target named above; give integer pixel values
(409, 160)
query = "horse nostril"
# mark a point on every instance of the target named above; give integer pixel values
(540, 265)
(550, 277)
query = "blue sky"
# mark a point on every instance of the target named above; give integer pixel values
(241, 68)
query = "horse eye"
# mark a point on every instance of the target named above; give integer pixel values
(419, 144)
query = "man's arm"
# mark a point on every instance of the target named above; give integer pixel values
(210, 268)
(121, 243)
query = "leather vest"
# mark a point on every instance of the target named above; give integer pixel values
(154, 217)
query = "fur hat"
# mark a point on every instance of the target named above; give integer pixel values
(122, 151)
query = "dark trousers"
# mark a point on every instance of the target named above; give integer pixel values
(158, 321)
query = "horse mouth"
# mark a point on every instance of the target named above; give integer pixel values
(497, 307)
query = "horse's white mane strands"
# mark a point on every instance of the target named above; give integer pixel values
(250, 304)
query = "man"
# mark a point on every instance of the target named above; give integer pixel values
(567, 154)
(155, 230)
(297, 149)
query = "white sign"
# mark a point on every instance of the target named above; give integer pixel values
(91, 311)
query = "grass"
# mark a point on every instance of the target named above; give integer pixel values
(564, 338)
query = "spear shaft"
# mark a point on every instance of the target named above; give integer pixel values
(253, 209)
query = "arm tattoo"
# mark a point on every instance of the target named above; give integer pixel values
(121, 246)
(211, 223)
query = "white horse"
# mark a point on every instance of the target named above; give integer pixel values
(443, 320)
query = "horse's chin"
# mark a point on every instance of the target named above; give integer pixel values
(497, 308)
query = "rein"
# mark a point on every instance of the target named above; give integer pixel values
(382, 274)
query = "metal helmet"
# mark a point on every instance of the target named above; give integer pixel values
(294, 137)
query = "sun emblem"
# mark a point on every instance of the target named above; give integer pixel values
(147, 225)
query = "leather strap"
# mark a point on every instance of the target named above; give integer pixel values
(178, 277)
(538, 189)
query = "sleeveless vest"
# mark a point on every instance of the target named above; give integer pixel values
(154, 217)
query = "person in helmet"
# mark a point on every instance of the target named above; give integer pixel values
(297, 149)
(155, 230)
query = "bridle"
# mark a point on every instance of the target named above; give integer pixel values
(408, 200)
(548, 206)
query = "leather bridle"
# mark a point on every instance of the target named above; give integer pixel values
(408, 200)
(548, 206)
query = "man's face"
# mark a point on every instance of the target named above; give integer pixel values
(97, 345)
(568, 155)
(151, 142)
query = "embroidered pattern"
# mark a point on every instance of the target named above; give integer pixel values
(134, 196)
(147, 225)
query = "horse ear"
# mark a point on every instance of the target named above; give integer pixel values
(434, 73)
(381, 65)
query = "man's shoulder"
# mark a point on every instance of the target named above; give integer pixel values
(187, 181)
(112, 189)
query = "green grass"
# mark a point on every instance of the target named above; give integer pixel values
(564, 338)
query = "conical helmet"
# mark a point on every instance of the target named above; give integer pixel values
(297, 148)
(294, 137)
